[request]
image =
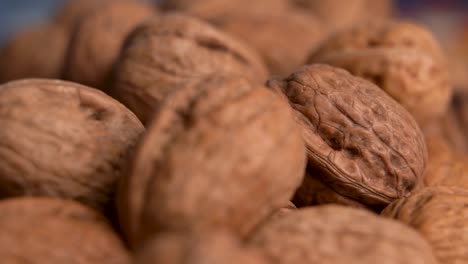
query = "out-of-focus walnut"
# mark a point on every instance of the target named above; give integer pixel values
(360, 143)
(172, 51)
(36, 52)
(62, 139)
(220, 153)
(460, 108)
(284, 41)
(72, 11)
(445, 166)
(98, 38)
(440, 215)
(339, 14)
(206, 248)
(401, 58)
(336, 235)
(38, 230)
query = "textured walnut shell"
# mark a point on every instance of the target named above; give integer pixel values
(34, 53)
(338, 14)
(98, 38)
(284, 41)
(440, 215)
(63, 140)
(208, 248)
(333, 235)
(401, 58)
(360, 142)
(34, 230)
(220, 153)
(445, 166)
(172, 51)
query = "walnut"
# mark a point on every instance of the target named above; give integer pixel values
(171, 51)
(439, 214)
(72, 11)
(62, 139)
(207, 248)
(401, 58)
(361, 144)
(284, 41)
(38, 230)
(445, 166)
(98, 38)
(220, 153)
(339, 14)
(460, 108)
(36, 52)
(335, 234)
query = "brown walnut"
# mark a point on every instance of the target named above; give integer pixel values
(360, 143)
(283, 39)
(72, 11)
(36, 52)
(98, 38)
(401, 58)
(45, 230)
(220, 153)
(440, 215)
(333, 234)
(62, 139)
(171, 51)
(207, 248)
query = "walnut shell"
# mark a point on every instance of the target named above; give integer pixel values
(36, 52)
(221, 152)
(34, 230)
(360, 142)
(460, 108)
(284, 41)
(72, 11)
(401, 58)
(62, 139)
(440, 215)
(333, 235)
(172, 51)
(207, 248)
(168, 52)
(98, 38)
(445, 166)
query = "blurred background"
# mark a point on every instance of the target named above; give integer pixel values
(448, 19)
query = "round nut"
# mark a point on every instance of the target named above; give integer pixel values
(172, 51)
(284, 41)
(34, 230)
(221, 152)
(207, 248)
(339, 14)
(440, 215)
(72, 11)
(62, 139)
(360, 142)
(37, 52)
(334, 234)
(98, 38)
(401, 58)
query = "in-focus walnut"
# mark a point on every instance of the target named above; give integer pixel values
(401, 58)
(38, 230)
(360, 143)
(207, 248)
(440, 215)
(34, 53)
(62, 139)
(221, 152)
(333, 234)
(339, 14)
(172, 51)
(283, 39)
(98, 38)
(445, 166)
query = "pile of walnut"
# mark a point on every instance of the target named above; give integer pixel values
(221, 131)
